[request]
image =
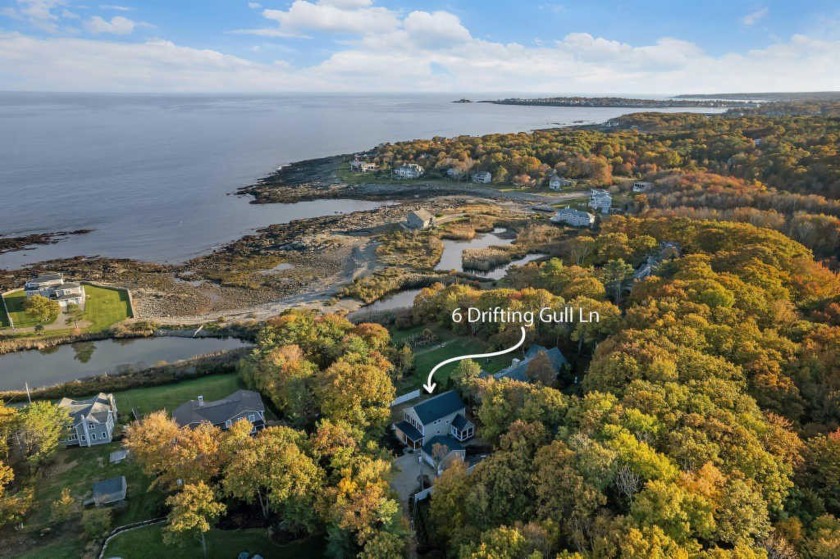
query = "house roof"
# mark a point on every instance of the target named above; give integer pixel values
(450, 442)
(439, 406)
(460, 422)
(219, 411)
(93, 409)
(109, 490)
(410, 431)
(46, 276)
(518, 371)
(422, 214)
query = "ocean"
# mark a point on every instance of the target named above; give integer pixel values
(152, 175)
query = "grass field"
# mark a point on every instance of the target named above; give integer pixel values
(105, 307)
(14, 302)
(146, 543)
(426, 358)
(4, 318)
(170, 396)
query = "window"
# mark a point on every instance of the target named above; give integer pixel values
(93, 436)
(228, 424)
(251, 417)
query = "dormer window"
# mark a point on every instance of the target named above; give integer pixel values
(228, 424)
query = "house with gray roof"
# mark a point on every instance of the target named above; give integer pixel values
(93, 419)
(109, 491)
(242, 404)
(573, 218)
(441, 450)
(518, 369)
(441, 415)
(52, 286)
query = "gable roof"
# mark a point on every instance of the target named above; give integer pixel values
(439, 406)
(94, 409)
(424, 215)
(447, 440)
(518, 371)
(219, 411)
(460, 422)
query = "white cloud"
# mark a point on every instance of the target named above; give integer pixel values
(115, 7)
(118, 25)
(40, 13)
(435, 29)
(335, 16)
(254, 5)
(755, 16)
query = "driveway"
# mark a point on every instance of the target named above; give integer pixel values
(405, 472)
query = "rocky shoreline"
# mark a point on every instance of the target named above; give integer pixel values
(13, 244)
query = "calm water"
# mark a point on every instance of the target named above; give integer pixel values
(152, 173)
(73, 361)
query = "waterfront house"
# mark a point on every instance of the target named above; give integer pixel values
(574, 218)
(600, 200)
(556, 182)
(439, 416)
(482, 177)
(109, 491)
(93, 419)
(419, 220)
(409, 171)
(242, 404)
(642, 186)
(52, 286)
(361, 166)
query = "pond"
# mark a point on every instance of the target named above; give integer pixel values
(453, 251)
(400, 300)
(69, 362)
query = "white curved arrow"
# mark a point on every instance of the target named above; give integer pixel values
(430, 386)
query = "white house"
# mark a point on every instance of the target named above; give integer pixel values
(93, 419)
(556, 182)
(361, 166)
(642, 186)
(600, 200)
(443, 415)
(574, 218)
(482, 177)
(409, 171)
(52, 286)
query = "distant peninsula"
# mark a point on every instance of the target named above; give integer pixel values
(623, 102)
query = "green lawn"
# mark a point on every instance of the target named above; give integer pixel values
(65, 548)
(14, 302)
(146, 543)
(426, 358)
(105, 307)
(4, 318)
(170, 396)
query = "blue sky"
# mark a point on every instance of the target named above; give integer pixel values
(595, 46)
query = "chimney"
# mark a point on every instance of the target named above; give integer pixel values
(200, 401)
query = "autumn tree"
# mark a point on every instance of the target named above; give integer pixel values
(194, 510)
